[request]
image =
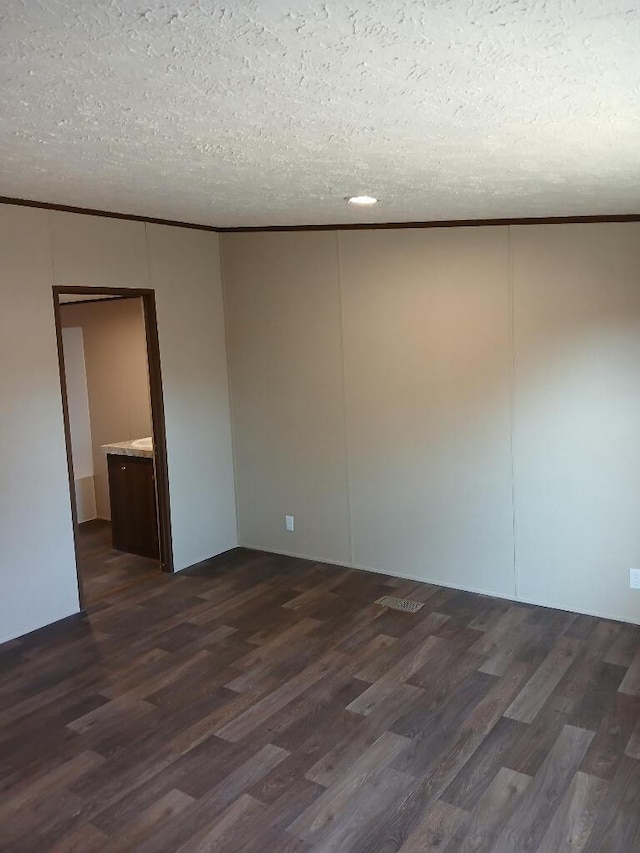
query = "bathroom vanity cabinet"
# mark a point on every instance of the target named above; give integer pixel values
(134, 517)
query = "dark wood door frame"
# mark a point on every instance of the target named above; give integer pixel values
(157, 411)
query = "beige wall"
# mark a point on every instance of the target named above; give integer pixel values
(577, 415)
(79, 422)
(185, 273)
(115, 349)
(409, 395)
(283, 310)
(384, 386)
(40, 248)
(37, 564)
(427, 373)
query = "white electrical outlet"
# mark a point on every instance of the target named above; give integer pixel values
(634, 578)
(289, 524)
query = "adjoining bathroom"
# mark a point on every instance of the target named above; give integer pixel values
(111, 435)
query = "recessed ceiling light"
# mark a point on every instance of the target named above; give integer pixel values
(362, 199)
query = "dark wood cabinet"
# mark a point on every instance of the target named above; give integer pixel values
(134, 517)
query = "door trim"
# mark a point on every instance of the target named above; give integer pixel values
(157, 413)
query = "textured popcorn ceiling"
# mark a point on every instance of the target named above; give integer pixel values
(253, 113)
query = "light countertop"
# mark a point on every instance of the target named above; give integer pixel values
(126, 448)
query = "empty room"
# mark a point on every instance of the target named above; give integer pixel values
(348, 558)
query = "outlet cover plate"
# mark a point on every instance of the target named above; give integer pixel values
(634, 578)
(289, 523)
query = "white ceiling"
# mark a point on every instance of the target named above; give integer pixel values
(267, 113)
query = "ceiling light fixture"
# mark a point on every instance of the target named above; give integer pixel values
(362, 199)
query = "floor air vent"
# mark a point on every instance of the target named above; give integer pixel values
(400, 604)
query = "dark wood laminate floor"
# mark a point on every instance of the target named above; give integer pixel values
(103, 570)
(265, 703)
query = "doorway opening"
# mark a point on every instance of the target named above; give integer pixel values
(113, 411)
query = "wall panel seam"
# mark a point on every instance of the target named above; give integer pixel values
(227, 339)
(512, 405)
(345, 419)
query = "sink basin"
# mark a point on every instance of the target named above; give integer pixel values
(143, 443)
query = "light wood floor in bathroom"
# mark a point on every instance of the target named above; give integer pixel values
(264, 703)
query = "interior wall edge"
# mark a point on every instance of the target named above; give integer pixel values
(184, 272)
(512, 407)
(108, 214)
(225, 318)
(77, 614)
(435, 223)
(345, 408)
(221, 229)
